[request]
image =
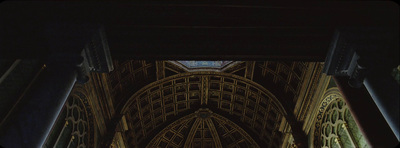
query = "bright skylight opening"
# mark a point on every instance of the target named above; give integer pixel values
(204, 65)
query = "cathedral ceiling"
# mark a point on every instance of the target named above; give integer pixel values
(281, 78)
(203, 129)
(161, 101)
(244, 102)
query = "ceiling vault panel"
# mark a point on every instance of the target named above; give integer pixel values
(161, 102)
(207, 129)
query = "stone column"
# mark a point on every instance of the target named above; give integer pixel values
(361, 62)
(32, 118)
(367, 116)
(384, 90)
(74, 50)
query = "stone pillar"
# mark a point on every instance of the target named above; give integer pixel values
(31, 119)
(367, 116)
(384, 90)
(74, 51)
(364, 59)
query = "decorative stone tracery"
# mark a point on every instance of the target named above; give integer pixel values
(335, 126)
(74, 127)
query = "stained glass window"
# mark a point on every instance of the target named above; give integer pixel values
(72, 129)
(338, 128)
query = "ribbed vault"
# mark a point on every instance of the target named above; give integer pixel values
(234, 101)
(203, 129)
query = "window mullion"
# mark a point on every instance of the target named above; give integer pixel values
(345, 127)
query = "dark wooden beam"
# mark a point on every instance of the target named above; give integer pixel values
(194, 30)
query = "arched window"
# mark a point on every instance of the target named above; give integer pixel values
(73, 127)
(335, 127)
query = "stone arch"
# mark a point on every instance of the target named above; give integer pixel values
(203, 73)
(159, 101)
(330, 95)
(75, 124)
(334, 124)
(215, 129)
(82, 93)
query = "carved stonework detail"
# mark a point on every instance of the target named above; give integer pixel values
(204, 92)
(249, 69)
(160, 68)
(207, 129)
(335, 125)
(310, 92)
(331, 95)
(288, 76)
(75, 125)
(166, 99)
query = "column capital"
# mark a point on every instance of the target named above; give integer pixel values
(89, 49)
(356, 52)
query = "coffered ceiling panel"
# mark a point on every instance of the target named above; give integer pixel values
(232, 98)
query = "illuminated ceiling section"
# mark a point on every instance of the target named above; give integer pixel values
(203, 129)
(204, 65)
(232, 97)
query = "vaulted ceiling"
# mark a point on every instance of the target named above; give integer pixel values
(203, 129)
(245, 104)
